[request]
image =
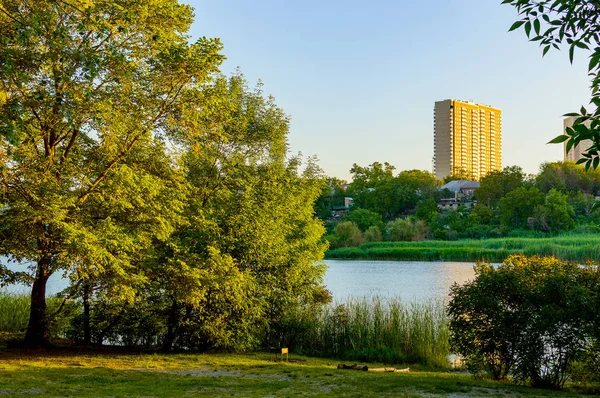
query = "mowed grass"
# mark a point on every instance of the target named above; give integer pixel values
(97, 374)
(568, 247)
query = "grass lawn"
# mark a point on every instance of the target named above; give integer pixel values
(60, 373)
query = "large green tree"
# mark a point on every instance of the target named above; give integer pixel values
(553, 23)
(93, 91)
(248, 252)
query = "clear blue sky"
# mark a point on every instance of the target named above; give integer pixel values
(359, 79)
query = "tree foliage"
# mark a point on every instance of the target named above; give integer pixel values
(552, 23)
(376, 188)
(529, 317)
(496, 184)
(518, 206)
(365, 219)
(160, 188)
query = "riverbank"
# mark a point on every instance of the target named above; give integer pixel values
(580, 248)
(61, 373)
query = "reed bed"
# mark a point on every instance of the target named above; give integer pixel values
(389, 331)
(580, 248)
(14, 312)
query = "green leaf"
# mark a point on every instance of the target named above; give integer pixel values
(516, 25)
(528, 28)
(593, 62)
(596, 161)
(571, 52)
(545, 50)
(536, 26)
(559, 139)
(569, 146)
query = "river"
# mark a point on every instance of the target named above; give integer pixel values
(408, 280)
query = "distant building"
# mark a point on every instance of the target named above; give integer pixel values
(462, 189)
(575, 152)
(467, 139)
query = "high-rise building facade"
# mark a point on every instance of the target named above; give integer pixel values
(467, 139)
(575, 152)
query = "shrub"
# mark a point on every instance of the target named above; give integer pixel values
(373, 234)
(529, 317)
(348, 234)
(406, 229)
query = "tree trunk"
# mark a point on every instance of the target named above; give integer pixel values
(87, 331)
(171, 328)
(37, 329)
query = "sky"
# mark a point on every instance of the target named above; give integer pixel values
(359, 79)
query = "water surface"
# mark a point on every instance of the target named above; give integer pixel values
(408, 280)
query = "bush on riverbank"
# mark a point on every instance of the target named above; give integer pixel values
(566, 247)
(531, 318)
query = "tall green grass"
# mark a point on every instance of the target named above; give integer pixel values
(390, 331)
(14, 312)
(580, 248)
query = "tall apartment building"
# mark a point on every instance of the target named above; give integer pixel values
(575, 152)
(467, 137)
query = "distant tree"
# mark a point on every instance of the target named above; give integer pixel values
(331, 197)
(481, 214)
(373, 234)
(518, 205)
(368, 177)
(551, 23)
(555, 215)
(348, 234)
(406, 229)
(364, 219)
(496, 184)
(567, 177)
(582, 203)
(377, 189)
(427, 209)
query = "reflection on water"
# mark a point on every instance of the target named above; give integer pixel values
(409, 280)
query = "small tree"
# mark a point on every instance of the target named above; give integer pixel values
(373, 234)
(348, 234)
